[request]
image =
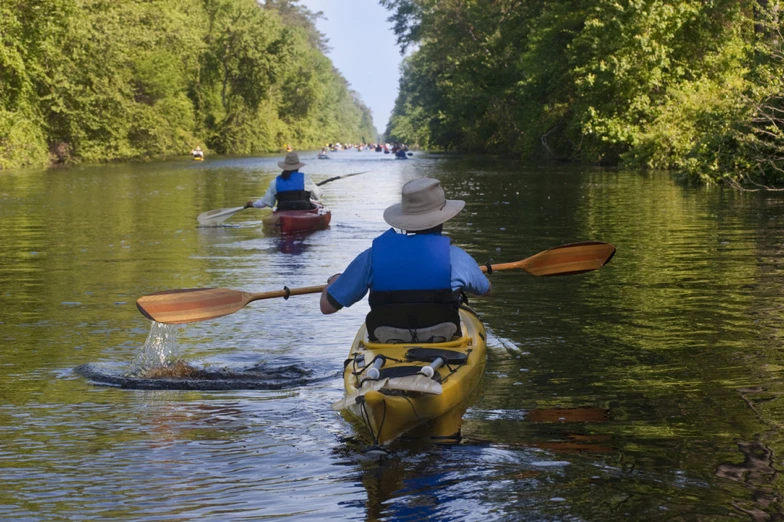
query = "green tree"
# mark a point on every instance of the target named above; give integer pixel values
(688, 85)
(92, 80)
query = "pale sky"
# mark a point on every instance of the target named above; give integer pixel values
(363, 50)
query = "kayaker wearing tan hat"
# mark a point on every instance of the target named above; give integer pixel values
(292, 190)
(415, 277)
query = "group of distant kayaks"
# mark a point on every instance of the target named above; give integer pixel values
(400, 151)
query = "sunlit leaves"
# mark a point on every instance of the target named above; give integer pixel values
(110, 79)
(689, 85)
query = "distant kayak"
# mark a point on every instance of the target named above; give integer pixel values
(198, 158)
(294, 221)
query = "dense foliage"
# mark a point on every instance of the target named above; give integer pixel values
(117, 79)
(690, 85)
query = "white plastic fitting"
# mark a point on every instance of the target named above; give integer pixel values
(374, 373)
(430, 370)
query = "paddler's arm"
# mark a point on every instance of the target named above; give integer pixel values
(466, 274)
(329, 305)
(345, 289)
(267, 200)
(315, 191)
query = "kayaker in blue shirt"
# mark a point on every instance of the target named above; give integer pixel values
(291, 190)
(415, 277)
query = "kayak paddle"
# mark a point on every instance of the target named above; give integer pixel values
(201, 304)
(340, 177)
(213, 218)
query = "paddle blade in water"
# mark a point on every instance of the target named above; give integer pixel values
(191, 305)
(213, 218)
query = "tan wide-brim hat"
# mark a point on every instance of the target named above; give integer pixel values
(423, 205)
(291, 162)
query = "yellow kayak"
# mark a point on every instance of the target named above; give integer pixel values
(388, 387)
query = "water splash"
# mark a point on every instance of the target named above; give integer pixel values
(159, 350)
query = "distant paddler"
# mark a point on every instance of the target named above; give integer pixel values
(292, 190)
(197, 153)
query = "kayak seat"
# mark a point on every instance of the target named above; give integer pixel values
(439, 333)
(413, 323)
(431, 354)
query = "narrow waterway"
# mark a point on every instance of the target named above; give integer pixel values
(648, 390)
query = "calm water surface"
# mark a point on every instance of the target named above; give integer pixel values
(648, 390)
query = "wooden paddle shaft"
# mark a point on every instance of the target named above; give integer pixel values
(285, 293)
(200, 304)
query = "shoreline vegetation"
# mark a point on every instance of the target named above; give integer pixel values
(689, 86)
(105, 80)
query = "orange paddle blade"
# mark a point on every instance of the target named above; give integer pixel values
(200, 304)
(574, 258)
(190, 305)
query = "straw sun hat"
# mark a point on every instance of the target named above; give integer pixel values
(423, 205)
(291, 162)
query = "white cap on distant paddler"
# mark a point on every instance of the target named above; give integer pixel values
(423, 205)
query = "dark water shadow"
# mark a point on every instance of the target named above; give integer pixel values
(292, 244)
(258, 377)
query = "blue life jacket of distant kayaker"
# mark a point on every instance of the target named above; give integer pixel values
(411, 283)
(291, 193)
(295, 181)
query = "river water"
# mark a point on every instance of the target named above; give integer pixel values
(648, 390)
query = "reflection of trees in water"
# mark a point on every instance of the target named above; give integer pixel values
(757, 472)
(571, 439)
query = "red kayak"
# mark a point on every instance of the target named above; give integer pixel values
(294, 221)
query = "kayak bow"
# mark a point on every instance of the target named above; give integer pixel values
(399, 396)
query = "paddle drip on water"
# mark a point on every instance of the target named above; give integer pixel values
(159, 366)
(159, 350)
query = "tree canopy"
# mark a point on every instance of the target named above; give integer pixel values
(687, 85)
(92, 80)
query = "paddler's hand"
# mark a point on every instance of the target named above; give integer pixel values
(249, 204)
